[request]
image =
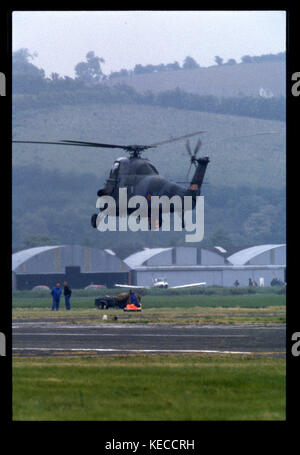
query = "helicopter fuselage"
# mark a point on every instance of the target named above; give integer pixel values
(141, 178)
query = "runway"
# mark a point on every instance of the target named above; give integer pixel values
(44, 337)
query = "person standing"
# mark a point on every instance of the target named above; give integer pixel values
(67, 294)
(56, 293)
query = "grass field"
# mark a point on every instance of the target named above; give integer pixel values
(157, 307)
(219, 80)
(149, 388)
(152, 387)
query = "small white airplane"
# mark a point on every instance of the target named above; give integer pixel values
(160, 283)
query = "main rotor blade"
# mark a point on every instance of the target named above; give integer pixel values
(78, 143)
(39, 142)
(176, 139)
(94, 144)
(241, 137)
(97, 144)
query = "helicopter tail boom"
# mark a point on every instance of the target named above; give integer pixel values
(197, 180)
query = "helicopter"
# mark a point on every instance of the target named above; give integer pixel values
(140, 177)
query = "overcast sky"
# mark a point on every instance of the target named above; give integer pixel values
(126, 38)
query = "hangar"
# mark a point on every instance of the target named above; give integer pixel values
(186, 265)
(82, 265)
(79, 265)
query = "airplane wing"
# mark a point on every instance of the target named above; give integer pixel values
(188, 285)
(131, 287)
(148, 287)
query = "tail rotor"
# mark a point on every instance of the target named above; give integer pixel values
(193, 155)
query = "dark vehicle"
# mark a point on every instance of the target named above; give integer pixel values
(113, 301)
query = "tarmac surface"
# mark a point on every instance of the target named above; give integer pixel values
(48, 337)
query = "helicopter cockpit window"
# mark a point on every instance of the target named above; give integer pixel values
(114, 170)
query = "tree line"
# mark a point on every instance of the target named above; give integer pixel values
(190, 63)
(90, 70)
(32, 89)
(70, 91)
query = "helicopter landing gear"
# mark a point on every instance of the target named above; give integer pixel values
(93, 220)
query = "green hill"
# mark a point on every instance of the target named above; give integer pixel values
(218, 80)
(257, 161)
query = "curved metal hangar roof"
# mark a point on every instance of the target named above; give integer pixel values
(54, 259)
(269, 254)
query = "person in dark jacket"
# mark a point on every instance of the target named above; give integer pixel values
(67, 294)
(133, 299)
(56, 293)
